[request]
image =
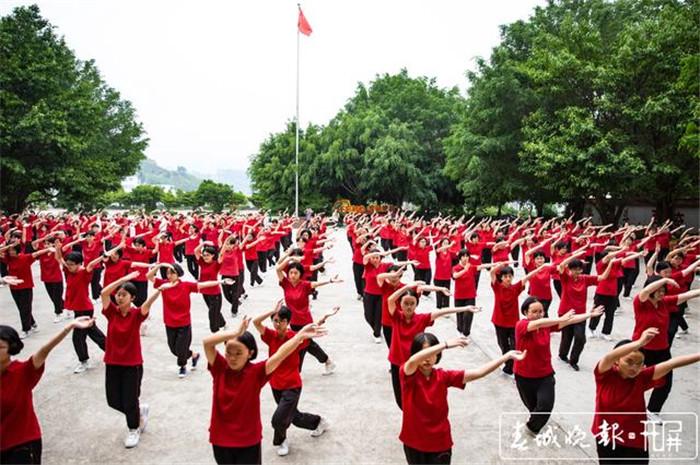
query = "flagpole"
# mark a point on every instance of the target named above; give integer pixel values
(296, 152)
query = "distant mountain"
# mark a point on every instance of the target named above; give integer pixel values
(238, 179)
(151, 173)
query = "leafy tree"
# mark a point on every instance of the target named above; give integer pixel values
(145, 196)
(63, 131)
(218, 196)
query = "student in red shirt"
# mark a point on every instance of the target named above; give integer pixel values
(51, 275)
(651, 310)
(138, 252)
(540, 283)
(443, 275)
(176, 311)
(465, 273)
(574, 285)
(505, 307)
(286, 380)
(621, 379)
(230, 269)
(209, 266)
(91, 248)
(20, 265)
(296, 296)
(235, 429)
(407, 323)
(20, 433)
(77, 299)
(251, 258)
(123, 359)
(534, 376)
(422, 271)
(372, 298)
(425, 429)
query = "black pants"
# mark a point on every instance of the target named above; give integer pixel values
(141, 292)
(287, 414)
(464, 319)
(192, 266)
(80, 336)
(230, 294)
(386, 331)
(262, 261)
(677, 320)
(286, 241)
(621, 455)
(179, 252)
(506, 341)
(401, 256)
(313, 348)
(240, 283)
(216, 319)
(515, 254)
(538, 396)
(442, 300)
(417, 457)
(253, 269)
(123, 388)
(179, 340)
(373, 312)
(486, 255)
(23, 299)
(396, 384)
(609, 303)
(658, 395)
(425, 275)
(575, 334)
(386, 244)
(630, 277)
(477, 275)
(557, 286)
(28, 452)
(55, 292)
(357, 270)
(270, 257)
(237, 455)
(95, 286)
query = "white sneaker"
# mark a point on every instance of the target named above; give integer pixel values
(590, 333)
(323, 425)
(283, 449)
(330, 368)
(58, 318)
(81, 367)
(377, 340)
(606, 337)
(654, 417)
(132, 438)
(144, 417)
(34, 329)
(24, 334)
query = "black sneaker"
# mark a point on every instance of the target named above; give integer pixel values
(183, 372)
(195, 359)
(574, 366)
(564, 358)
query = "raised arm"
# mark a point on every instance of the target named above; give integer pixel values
(307, 332)
(258, 320)
(609, 359)
(210, 342)
(412, 364)
(109, 289)
(651, 288)
(40, 355)
(664, 368)
(332, 280)
(434, 315)
(489, 367)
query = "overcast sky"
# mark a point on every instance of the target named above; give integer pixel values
(212, 79)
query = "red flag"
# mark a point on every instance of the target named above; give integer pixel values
(303, 24)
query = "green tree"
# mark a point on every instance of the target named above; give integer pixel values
(64, 133)
(217, 196)
(145, 196)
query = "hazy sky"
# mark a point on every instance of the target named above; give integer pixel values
(212, 79)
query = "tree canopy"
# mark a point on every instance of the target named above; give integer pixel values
(64, 133)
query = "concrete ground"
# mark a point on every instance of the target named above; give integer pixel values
(79, 427)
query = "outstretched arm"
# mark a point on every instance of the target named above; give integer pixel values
(40, 355)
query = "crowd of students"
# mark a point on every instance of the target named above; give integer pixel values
(86, 260)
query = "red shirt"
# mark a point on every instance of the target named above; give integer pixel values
(465, 286)
(607, 286)
(176, 302)
(402, 334)
(613, 393)
(425, 425)
(648, 316)
(115, 270)
(143, 256)
(92, 251)
(540, 284)
(297, 299)
(21, 267)
(387, 290)
(50, 269)
(235, 407)
(229, 264)
(443, 265)
(166, 252)
(209, 272)
(357, 253)
(505, 307)
(422, 254)
(286, 375)
(77, 286)
(370, 275)
(123, 343)
(574, 292)
(538, 362)
(18, 422)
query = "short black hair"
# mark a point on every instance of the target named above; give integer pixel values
(284, 313)
(662, 265)
(9, 335)
(296, 266)
(178, 269)
(575, 264)
(462, 253)
(504, 271)
(526, 304)
(539, 253)
(75, 257)
(139, 241)
(248, 340)
(420, 339)
(129, 287)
